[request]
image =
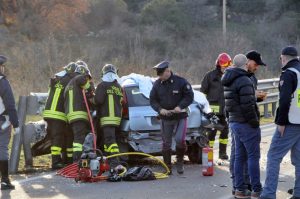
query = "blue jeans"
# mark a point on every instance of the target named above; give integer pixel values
(247, 144)
(247, 184)
(279, 147)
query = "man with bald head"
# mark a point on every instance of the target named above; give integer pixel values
(243, 116)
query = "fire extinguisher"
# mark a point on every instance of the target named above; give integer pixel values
(207, 161)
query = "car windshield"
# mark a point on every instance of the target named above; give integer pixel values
(135, 97)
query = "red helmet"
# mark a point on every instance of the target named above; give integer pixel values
(223, 60)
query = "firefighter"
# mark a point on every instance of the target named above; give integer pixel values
(8, 118)
(170, 97)
(76, 109)
(211, 86)
(108, 100)
(54, 114)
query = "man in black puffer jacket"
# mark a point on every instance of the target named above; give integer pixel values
(243, 117)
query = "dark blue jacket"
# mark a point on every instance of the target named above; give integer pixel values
(287, 86)
(175, 91)
(9, 101)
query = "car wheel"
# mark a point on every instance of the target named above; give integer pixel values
(194, 153)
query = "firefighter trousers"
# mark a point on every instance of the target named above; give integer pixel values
(61, 141)
(110, 144)
(223, 139)
(80, 129)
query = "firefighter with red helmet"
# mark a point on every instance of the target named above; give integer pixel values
(211, 86)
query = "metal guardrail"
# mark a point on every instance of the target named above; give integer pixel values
(272, 96)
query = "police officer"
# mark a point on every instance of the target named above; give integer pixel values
(108, 100)
(54, 114)
(75, 108)
(211, 86)
(170, 97)
(286, 137)
(8, 117)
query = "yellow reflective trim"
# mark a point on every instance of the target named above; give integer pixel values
(112, 145)
(69, 149)
(223, 141)
(77, 147)
(215, 108)
(110, 120)
(55, 153)
(114, 151)
(71, 95)
(55, 148)
(111, 105)
(77, 115)
(57, 92)
(87, 85)
(55, 115)
(211, 143)
(298, 98)
(70, 155)
(113, 148)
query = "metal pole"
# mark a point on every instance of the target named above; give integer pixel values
(224, 21)
(17, 139)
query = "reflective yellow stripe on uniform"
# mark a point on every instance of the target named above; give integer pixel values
(87, 85)
(110, 120)
(77, 115)
(111, 105)
(71, 94)
(69, 152)
(215, 108)
(55, 115)
(77, 147)
(58, 89)
(223, 141)
(113, 148)
(211, 144)
(55, 150)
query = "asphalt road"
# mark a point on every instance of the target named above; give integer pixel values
(188, 186)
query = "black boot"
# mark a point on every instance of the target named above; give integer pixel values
(167, 155)
(180, 155)
(222, 152)
(57, 162)
(5, 182)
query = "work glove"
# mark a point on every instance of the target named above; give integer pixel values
(254, 123)
(17, 131)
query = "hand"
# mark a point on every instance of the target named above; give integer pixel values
(281, 129)
(261, 95)
(165, 112)
(177, 109)
(17, 131)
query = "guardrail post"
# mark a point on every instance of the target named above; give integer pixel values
(266, 111)
(17, 138)
(274, 106)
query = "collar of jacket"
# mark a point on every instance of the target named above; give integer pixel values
(291, 63)
(171, 79)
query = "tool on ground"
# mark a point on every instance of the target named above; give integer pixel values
(91, 167)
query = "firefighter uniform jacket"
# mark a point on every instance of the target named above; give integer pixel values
(74, 102)
(108, 100)
(54, 108)
(211, 86)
